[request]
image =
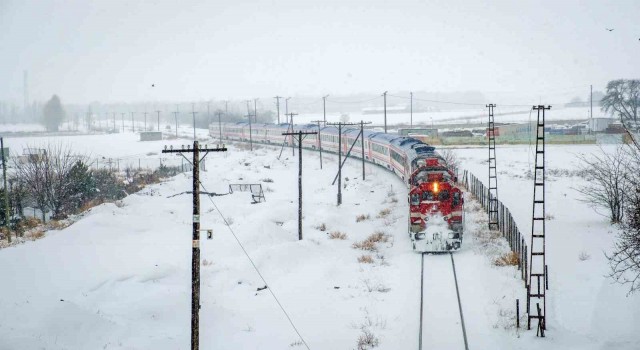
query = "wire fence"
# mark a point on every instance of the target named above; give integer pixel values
(146, 163)
(506, 224)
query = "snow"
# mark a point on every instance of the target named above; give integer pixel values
(119, 278)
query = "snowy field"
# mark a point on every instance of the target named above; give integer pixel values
(461, 116)
(119, 278)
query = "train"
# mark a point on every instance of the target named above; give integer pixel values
(436, 204)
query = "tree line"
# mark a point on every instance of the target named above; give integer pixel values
(57, 181)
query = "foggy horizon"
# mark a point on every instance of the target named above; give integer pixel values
(511, 53)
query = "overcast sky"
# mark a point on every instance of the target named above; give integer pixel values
(191, 50)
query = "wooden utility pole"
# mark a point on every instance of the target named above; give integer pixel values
(319, 139)
(411, 110)
(220, 124)
(324, 108)
(293, 150)
(145, 120)
(6, 191)
(278, 107)
(340, 161)
(250, 132)
(286, 105)
(158, 119)
(114, 123)
(133, 123)
(193, 111)
(301, 136)
(385, 111)
(175, 116)
(255, 110)
(591, 112)
(122, 122)
(195, 243)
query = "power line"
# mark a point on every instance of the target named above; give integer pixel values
(273, 294)
(346, 102)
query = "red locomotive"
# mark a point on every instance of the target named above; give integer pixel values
(436, 207)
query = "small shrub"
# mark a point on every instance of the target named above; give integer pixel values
(229, 221)
(35, 234)
(337, 235)
(322, 227)
(367, 340)
(58, 224)
(384, 213)
(365, 245)
(584, 256)
(206, 262)
(365, 259)
(267, 180)
(363, 217)
(549, 217)
(394, 200)
(508, 259)
(378, 236)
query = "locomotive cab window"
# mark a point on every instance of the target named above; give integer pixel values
(427, 196)
(415, 199)
(444, 195)
(456, 198)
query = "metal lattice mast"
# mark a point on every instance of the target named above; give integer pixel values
(493, 173)
(536, 289)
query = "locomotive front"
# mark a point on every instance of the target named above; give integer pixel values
(436, 207)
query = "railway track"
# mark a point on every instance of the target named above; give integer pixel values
(441, 318)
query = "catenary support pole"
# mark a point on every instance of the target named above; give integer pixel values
(278, 107)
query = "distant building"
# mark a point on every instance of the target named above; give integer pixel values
(600, 124)
(430, 132)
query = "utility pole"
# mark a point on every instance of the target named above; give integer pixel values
(278, 106)
(385, 111)
(175, 116)
(133, 123)
(122, 122)
(195, 243)
(7, 218)
(208, 114)
(591, 113)
(250, 132)
(293, 150)
(114, 123)
(340, 161)
(286, 105)
(158, 119)
(411, 104)
(220, 124)
(319, 139)
(226, 108)
(255, 110)
(301, 136)
(145, 120)
(324, 108)
(493, 172)
(193, 111)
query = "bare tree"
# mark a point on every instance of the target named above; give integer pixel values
(623, 98)
(44, 173)
(606, 173)
(625, 258)
(450, 158)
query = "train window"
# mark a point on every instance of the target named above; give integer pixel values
(427, 196)
(456, 198)
(415, 199)
(444, 195)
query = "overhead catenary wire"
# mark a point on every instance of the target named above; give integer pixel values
(255, 267)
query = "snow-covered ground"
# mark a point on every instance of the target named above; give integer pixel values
(459, 116)
(119, 278)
